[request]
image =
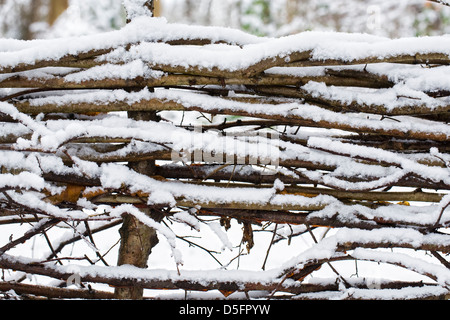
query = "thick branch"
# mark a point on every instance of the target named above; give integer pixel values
(412, 109)
(54, 292)
(157, 105)
(180, 283)
(426, 59)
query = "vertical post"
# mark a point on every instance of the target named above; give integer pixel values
(137, 239)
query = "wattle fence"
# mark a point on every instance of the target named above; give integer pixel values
(343, 138)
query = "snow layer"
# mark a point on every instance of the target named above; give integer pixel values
(140, 29)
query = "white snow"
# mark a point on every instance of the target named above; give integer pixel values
(129, 70)
(144, 49)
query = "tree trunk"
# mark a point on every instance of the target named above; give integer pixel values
(291, 10)
(157, 8)
(56, 8)
(137, 239)
(29, 14)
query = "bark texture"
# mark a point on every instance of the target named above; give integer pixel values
(137, 241)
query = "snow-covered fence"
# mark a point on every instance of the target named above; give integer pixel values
(343, 138)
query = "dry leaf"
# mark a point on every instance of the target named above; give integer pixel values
(247, 236)
(71, 194)
(94, 192)
(225, 222)
(226, 293)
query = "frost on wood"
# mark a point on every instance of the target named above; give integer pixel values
(340, 140)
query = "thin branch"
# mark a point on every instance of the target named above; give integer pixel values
(445, 206)
(441, 259)
(39, 228)
(91, 238)
(210, 252)
(54, 292)
(270, 246)
(347, 284)
(443, 2)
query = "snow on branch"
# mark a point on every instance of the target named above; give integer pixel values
(138, 8)
(195, 134)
